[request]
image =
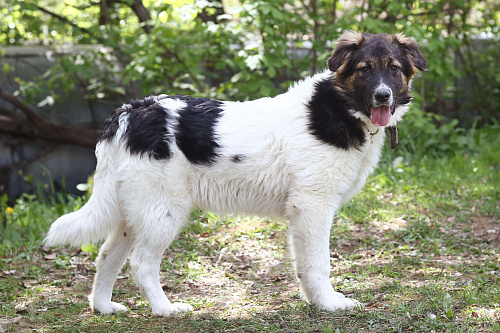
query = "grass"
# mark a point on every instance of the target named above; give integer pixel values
(419, 247)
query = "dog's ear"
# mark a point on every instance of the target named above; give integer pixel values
(346, 43)
(410, 48)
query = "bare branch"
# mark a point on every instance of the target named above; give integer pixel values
(26, 109)
(104, 15)
(50, 131)
(142, 14)
(9, 113)
(33, 126)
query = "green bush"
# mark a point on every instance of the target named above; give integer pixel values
(257, 48)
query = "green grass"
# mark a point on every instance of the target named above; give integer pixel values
(419, 247)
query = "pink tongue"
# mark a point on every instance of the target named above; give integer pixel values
(381, 115)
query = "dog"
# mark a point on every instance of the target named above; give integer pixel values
(300, 155)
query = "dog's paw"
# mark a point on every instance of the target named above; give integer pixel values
(338, 303)
(182, 307)
(109, 307)
(172, 309)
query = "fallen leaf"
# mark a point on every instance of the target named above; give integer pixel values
(278, 278)
(21, 308)
(46, 250)
(51, 256)
(9, 321)
(5, 273)
(335, 254)
(24, 285)
(22, 311)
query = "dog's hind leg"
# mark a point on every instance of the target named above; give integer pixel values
(155, 226)
(111, 258)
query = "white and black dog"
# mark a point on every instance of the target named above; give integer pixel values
(300, 155)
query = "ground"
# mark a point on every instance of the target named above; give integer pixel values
(418, 247)
(238, 276)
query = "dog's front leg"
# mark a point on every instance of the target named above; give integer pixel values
(309, 234)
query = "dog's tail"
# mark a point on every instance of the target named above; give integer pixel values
(100, 215)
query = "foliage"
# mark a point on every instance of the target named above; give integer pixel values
(29, 219)
(461, 44)
(423, 134)
(255, 48)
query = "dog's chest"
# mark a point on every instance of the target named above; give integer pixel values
(369, 158)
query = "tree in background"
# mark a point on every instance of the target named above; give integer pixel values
(232, 50)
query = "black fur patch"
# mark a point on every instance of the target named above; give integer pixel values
(148, 133)
(330, 120)
(110, 125)
(238, 158)
(195, 132)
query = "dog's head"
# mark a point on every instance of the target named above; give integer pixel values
(374, 72)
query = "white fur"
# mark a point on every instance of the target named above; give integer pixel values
(140, 204)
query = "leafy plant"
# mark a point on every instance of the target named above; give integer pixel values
(254, 48)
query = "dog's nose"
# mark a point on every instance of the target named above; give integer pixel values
(382, 95)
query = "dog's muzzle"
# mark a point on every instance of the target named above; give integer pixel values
(382, 109)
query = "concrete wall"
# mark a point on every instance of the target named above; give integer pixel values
(72, 163)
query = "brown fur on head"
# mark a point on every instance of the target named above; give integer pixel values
(351, 41)
(346, 43)
(367, 66)
(410, 45)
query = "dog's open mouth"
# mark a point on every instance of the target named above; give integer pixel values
(381, 115)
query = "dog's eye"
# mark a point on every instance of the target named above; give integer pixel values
(365, 69)
(394, 68)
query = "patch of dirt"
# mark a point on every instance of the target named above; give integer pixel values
(486, 228)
